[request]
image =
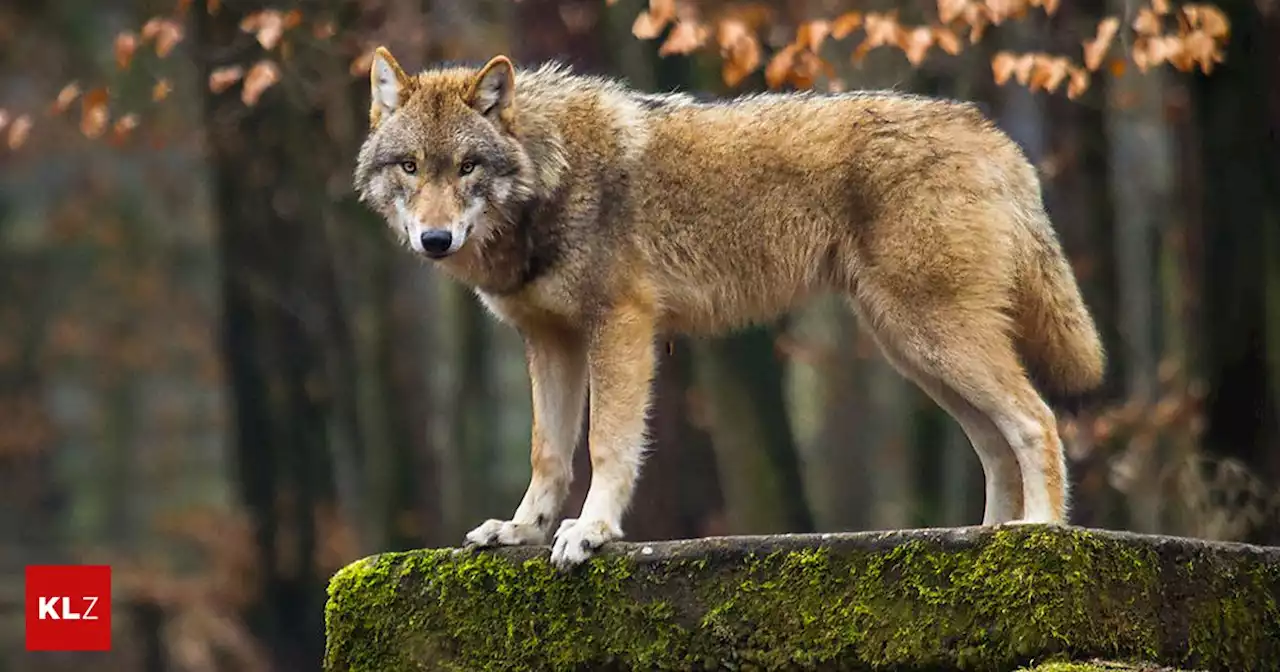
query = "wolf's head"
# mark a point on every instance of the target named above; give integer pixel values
(442, 163)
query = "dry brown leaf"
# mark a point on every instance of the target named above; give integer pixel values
(808, 66)
(739, 49)
(845, 23)
(1096, 49)
(126, 43)
(266, 25)
(999, 10)
(260, 77)
(646, 27)
(223, 78)
(947, 40)
(1022, 66)
(686, 37)
(779, 68)
(977, 17)
(292, 19)
(123, 126)
(161, 90)
(1208, 18)
(66, 96)
(1051, 7)
(881, 30)
(1147, 23)
(94, 113)
(151, 28)
(1160, 7)
(662, 11)
(362, 63)
(950, 10)
(915, 43)
(1078, 83)
(18, 131)
(324, 30)
(1201, 48)
(168, 37)
(1049, 72)
(811, 34)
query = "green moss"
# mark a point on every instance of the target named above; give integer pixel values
(990, 600)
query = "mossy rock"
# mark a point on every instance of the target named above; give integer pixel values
(1000, 599)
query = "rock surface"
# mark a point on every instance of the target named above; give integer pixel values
(1007, 598)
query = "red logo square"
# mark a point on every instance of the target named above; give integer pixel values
(68, 608)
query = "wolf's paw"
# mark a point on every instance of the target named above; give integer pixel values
(506, 533)
(577, 540)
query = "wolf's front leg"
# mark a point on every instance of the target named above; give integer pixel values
(621, 366)
(557, 370)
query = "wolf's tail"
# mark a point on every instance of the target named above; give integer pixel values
(1059, 341)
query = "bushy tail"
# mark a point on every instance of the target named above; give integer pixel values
(1059, 340)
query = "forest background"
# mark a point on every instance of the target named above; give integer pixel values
(219, 375)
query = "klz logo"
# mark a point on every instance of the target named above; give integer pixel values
(68, 608)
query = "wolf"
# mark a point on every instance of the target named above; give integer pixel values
(596, 219)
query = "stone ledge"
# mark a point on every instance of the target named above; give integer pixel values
(941, 599)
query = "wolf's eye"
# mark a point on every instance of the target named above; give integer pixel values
(467, 167)
(410, 167)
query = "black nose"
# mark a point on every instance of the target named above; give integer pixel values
(436, 242)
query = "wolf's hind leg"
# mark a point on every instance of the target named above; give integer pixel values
(972, 366)
(999, 463)
(557, 372)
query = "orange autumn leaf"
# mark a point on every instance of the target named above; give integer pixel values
(18, 131)
(324, 30)
(161, 90)
(1201, 48)
(94, 113)
(1096, 49)
(946, 40)
(66, 96)
(167, 35)
(977, 17)
(845, 23)
(739, 49)
(1022, 68)
(686, 37)
(223, 78)
(779, 68)
(123, 126)
(915, 43)
(950, 10)
(361, 64)
(260, 77)
(806, 69)
(649, 23)
(811, 34)
(267, 26)
(292, 19)
(1208, 18)
(881, 30)
(125, 44)
(1077, 83)
(1147, 23)
(1050, 7)
(1160, 7)
(1048, 72)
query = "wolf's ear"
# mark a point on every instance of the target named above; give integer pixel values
(388, 84)
(493, 90)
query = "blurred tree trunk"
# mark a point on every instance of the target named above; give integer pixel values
(1076, 174)
(1241, 212)
(307, 329)
(740, 381)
